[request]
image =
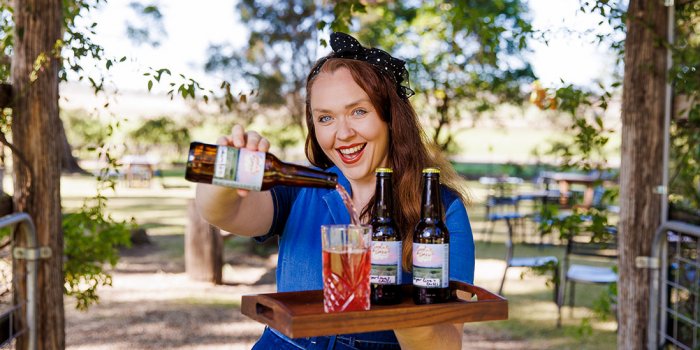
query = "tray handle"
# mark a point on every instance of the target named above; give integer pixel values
(264, 312)
(466, 291)
(263, 309)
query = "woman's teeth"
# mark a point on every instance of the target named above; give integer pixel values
(349, 151)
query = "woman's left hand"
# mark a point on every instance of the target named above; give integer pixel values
(441, 336)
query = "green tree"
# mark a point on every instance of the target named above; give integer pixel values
(465, 57)
(45, 44)
(85, 131)
(36, 31)
(684, 186)
(644, 25)
(161, 132)
(281, 48)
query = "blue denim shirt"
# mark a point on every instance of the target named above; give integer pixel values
(300, 212)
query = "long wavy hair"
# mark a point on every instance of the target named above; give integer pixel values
(409, 150)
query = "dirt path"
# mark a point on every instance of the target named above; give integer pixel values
(154, 305)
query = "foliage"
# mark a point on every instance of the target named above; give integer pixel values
(475, 43)
(586, 110)
(85, 131)
(150, 18)
(605, 305)
(549, 269)
(464, 57)
(684, 186)
(91, 238)
(280, 50)
(162, 131)
(585, 153)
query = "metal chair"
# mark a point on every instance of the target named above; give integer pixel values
(527, 261)
(498, 207)
(583, 246)
(501, 199)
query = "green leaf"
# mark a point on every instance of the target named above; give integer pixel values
(150, 85)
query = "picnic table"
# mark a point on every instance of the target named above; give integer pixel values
(566, 179)
(139, 169)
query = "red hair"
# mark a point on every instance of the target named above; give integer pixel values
(408, 149)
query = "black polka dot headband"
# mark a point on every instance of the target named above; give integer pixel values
(345, 46)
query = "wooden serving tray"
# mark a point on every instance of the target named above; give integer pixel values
(300, 314)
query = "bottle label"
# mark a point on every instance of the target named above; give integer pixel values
(239, 168)
(386, 262)
(431, 265)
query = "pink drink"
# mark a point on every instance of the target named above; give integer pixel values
(354, 218)
(346, 262)
(346, 279)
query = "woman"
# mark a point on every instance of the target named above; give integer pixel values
(359, 118)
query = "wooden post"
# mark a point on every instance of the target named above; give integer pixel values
(642, 166)
(38, 28)
(203, 248)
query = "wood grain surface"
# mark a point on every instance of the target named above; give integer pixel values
(300, 314)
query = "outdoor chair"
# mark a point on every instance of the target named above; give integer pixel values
(550, 262)
(590, 254)
(539, 201)
(501, 201)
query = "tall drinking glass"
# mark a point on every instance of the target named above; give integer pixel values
(346, 267)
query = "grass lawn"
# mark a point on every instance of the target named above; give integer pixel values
(532, 313)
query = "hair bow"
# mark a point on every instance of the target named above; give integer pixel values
(345, 46)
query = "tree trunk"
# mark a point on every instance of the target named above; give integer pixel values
(641, 168)
(35, 128)
(68, 163)
(204, 248)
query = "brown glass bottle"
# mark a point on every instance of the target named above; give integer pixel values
(385, 277)
(431, 248)
(250, 170)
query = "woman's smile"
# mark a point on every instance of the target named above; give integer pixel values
(351, 154)
(348, 127)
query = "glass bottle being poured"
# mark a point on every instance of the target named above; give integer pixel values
(249, 170)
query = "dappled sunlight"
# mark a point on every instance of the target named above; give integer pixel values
(534, 310)
(86, 186)
(488, 272)
(134, 287)
(166, 230)
(242, 274)
(519, 281)
(152, 297)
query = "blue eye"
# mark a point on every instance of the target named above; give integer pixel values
(324, 119)
(359, 112)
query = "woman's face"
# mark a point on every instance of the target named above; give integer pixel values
(348, 127)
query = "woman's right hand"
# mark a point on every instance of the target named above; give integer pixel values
(237, 211)
(250, 140)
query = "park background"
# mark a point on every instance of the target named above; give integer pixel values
(506, 88)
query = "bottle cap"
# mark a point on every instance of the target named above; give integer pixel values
(431, 170)
(383, 170)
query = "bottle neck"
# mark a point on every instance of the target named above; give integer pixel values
(431, 205)
(297, 175)
(383, 203)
